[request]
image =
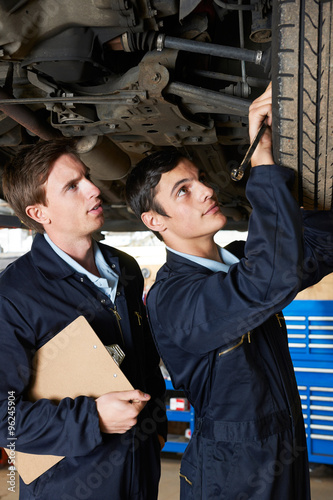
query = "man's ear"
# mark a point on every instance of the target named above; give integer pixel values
(154, 221)
(37, 213)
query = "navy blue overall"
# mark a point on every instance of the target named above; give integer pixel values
(223, 339)
(39, 295)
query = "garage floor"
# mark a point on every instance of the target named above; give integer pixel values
(321, 481)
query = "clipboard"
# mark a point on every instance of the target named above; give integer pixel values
(73, 363)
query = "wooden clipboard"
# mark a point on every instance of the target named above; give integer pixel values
(73, 363)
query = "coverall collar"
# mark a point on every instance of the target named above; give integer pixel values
(54, 267)
(227, 257)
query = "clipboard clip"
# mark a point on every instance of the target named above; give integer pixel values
(116, 353)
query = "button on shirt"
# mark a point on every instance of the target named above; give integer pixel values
(227, 257)
(107, 283)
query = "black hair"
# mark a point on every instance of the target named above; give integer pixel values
(145, 176)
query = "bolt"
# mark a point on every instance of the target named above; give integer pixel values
(184, 128)
(156, 78)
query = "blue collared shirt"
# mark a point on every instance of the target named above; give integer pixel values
(107, 283)
(227, 257)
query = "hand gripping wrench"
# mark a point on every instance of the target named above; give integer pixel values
(238, 173)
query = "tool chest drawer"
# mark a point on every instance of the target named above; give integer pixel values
(310, 329)
(310, 337)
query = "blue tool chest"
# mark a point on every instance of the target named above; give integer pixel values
(310, 337)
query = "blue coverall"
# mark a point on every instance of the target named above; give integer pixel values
(40, 294)
(223, 340)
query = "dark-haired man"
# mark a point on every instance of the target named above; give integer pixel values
(110, 444)
(215, 316)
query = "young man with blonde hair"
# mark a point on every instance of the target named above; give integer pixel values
(110, 444)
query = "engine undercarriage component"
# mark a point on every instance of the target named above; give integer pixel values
(128, 77)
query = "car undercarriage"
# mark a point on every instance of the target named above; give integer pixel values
(126, 78)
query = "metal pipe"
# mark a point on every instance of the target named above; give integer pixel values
(27, 118)
(241, 40)
(231, 6)
(253, 82)
(129, 97)
(233, 105)
(169, 42)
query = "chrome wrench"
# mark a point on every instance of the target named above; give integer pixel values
(238, 173)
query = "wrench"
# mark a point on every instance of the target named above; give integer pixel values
(238, 173)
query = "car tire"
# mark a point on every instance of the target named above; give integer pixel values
(302, 80)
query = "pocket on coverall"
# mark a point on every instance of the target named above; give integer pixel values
(206, 468)
(190, 471)
(218, 467)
